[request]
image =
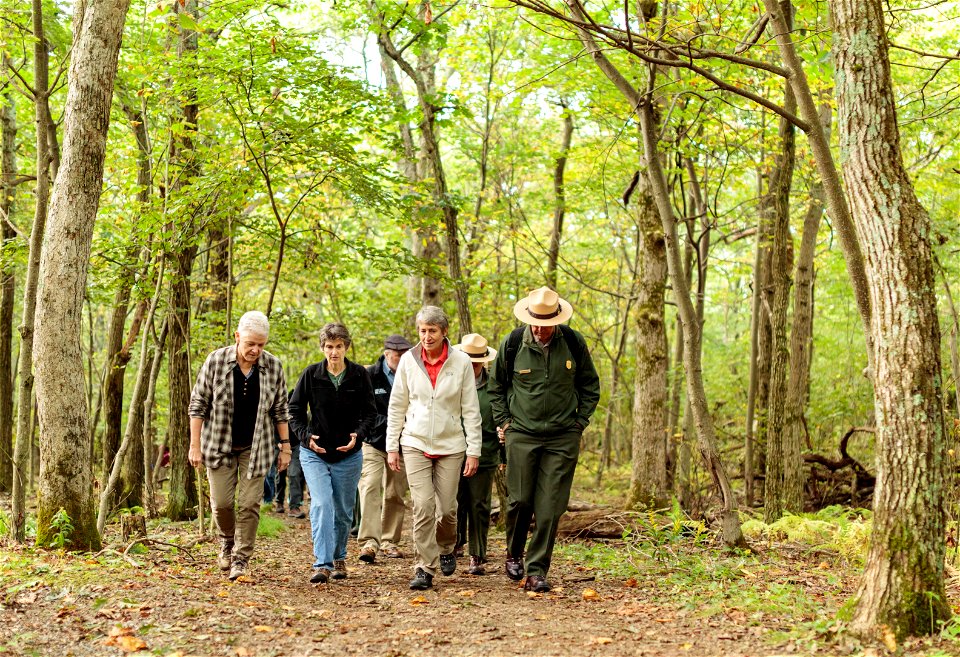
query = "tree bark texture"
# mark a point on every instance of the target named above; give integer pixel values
(65, 468)
(25, 393)
(112, 395)
(8, 287)
(560, 197)
(648, 475)
(801, 334)
(784, 486)
(902, 585)
(182, 499)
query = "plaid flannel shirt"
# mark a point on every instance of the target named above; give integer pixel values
(212, 400)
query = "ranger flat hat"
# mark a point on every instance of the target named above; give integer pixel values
(543, 307)
(475, 346)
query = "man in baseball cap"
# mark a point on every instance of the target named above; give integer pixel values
(381, 489)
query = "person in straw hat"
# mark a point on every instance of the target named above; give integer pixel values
(473, 498)
(543, 390)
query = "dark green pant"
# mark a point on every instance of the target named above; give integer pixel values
(539, 476)
(473, 511)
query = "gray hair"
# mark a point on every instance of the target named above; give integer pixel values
(433, 316)
(334, 331)
(254, 322)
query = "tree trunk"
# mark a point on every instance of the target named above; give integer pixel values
(423, 81)
(801, 336)
(8, 286)
(25, 394)
(423, 289)
(65, 470)
(902, 585)
(182, 499)
(784, 487)
(116, 366)
(840, 213)
(648, 477)
(560, 197)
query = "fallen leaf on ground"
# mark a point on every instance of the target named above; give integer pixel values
(533, 594)
(889, 638)
(631, 583)
(419, 600)
(128, 643)
(467, 593)
(242, 652)
(262, 628)
(599, 641)
(590, 594)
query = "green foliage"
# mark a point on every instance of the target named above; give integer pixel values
(833, 529)
(270, 526)
(61, 527)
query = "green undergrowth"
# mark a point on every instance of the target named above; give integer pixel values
(270, 525)
(790, 584)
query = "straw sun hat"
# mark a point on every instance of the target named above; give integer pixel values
(543, 307)
(475, 346)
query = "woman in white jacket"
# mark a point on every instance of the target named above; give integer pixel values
(434, 416)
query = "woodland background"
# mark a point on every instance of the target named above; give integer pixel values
(352, 161)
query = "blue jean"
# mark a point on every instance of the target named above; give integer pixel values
(294, 475)
(333, 493)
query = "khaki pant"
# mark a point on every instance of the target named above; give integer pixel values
(381, 501)
(228, 486)
(433, 489)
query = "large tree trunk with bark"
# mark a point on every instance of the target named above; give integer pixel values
(783, 484)
(902, 585)
(8, 287)
(182, 500)
(65, 470)
(648, 476)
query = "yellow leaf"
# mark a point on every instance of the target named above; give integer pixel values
(467, 593)
(129, 643)
(599, 641)
(425, 631)
(686, 646)
(419, 600)
(590, 594)
(532, 594)
(222, 594)
(262, 628)
(242, 652)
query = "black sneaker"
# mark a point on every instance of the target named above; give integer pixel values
(421, 581)
(448, 564)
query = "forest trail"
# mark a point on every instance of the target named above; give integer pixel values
(173, 606)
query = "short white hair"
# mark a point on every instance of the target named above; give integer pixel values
(254, 322)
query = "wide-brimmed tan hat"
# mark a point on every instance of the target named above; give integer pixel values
(475, 346)
(543, 307)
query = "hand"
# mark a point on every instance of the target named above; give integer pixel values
(283, 460)
(503, 467)
(195, 456)
(502, 432)
(393, 461)
(315, 447)
(348, 446)
(470, 466)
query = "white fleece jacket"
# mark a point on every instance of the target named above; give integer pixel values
(436, 420)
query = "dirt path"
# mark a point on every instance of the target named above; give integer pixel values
(77, 606)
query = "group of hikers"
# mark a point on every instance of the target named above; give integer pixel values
(429, 417)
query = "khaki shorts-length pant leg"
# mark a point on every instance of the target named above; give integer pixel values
(235, 503)
(433, 489)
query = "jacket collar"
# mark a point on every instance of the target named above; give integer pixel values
(321, 371)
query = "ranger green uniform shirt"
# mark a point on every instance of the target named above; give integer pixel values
(548, 393)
